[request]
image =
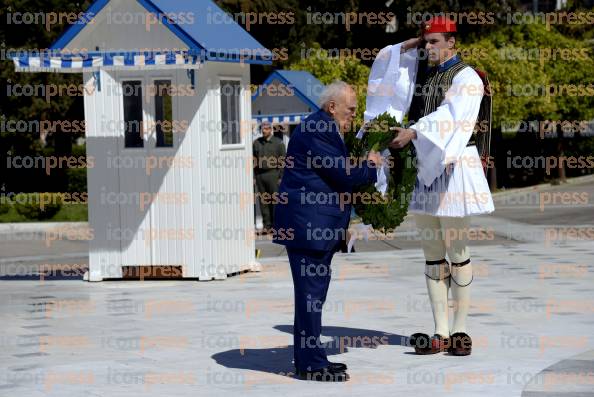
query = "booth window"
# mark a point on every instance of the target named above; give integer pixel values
(230, 96)
(164, 113)
(132, 91)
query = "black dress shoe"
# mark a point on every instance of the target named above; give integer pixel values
(326, 374)
(424, 344)
(461, 344)
(338, 366)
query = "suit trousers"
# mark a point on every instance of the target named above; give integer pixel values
(311, 277)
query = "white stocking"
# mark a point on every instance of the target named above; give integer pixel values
(437, 287)
(461, 277)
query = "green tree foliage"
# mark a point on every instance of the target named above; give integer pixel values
(38, 35)
(528, 84)
(328, 68)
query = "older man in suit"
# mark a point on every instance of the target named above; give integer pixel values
(315, 213)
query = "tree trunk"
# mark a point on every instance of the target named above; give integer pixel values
(561, 169)
(493, 178)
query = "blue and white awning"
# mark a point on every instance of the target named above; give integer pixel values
(67, 63)
(280, 118)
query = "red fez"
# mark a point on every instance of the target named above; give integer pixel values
(439, 24)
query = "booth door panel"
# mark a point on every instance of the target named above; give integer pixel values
(163, 169)
(135, 216)
(151, 217)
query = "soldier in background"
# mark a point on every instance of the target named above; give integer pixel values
(269, 152)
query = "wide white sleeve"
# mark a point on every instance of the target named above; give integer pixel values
(443, 134)
(391, 82)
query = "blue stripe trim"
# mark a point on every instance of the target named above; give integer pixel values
(129, 60)
(58, 54)
(106, 60)
(94, 54)
(292, 116)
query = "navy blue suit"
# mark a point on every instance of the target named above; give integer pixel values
(311, 220)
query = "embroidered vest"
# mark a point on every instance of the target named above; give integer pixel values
(431, 88)
(430, 91)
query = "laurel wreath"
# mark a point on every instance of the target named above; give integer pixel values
(388, 212)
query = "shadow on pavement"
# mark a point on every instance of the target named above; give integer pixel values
(279, 360)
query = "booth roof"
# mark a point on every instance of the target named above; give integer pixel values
(212, 35)
(307, 87)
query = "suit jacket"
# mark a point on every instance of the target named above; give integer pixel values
(309, 214)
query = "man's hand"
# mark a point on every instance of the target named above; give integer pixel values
(410, 43)
(376, 158)
(405, 135)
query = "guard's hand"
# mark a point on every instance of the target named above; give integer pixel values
(410, 43)
(405, 135)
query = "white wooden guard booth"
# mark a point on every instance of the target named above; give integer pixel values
(168, 122)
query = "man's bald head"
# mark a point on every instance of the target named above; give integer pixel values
(339, 100)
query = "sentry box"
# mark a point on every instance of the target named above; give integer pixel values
(168, 123)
